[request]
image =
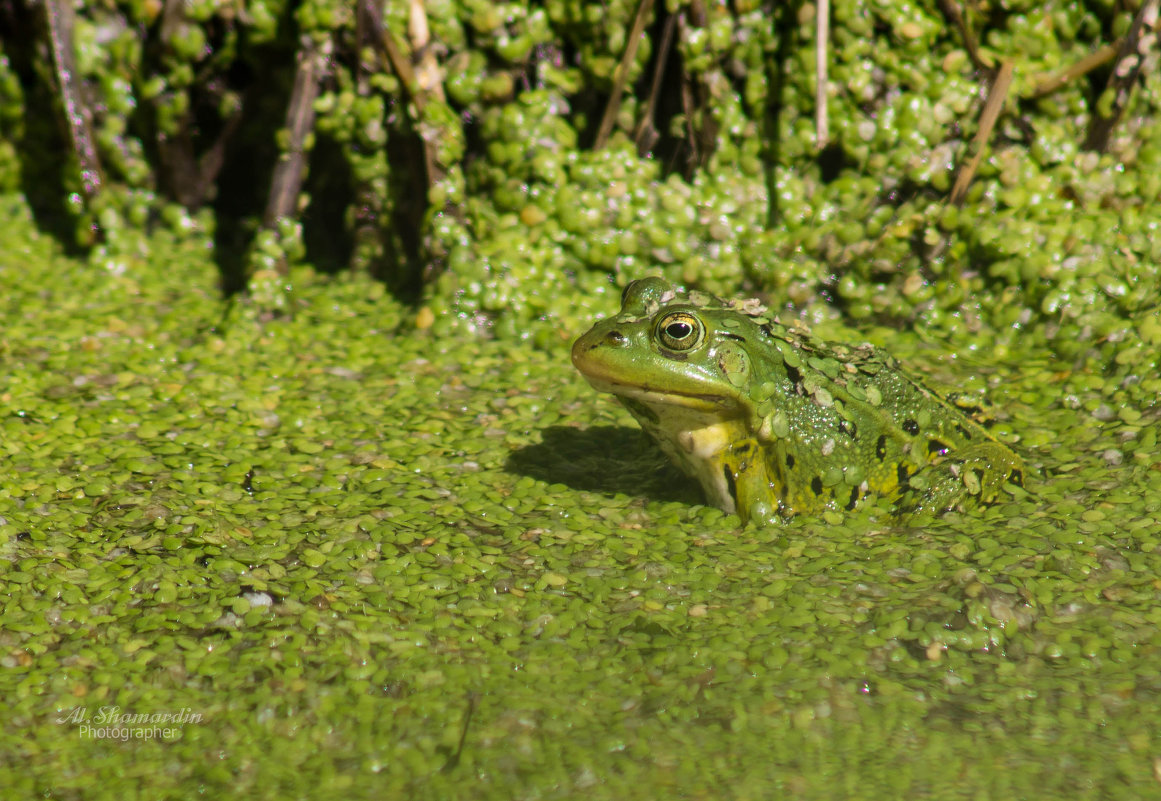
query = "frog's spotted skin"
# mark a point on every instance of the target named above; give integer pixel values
(773, 421)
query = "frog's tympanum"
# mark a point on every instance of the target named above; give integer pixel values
(773, 421)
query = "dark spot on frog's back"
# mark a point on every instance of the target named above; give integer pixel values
(910, 426)
(881, 447)
(790, 461)
(816, 485)
(903, 474)
(854, 498)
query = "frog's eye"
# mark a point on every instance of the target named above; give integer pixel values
(680, 331)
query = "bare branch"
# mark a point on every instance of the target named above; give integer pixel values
(1047, 84)
(427, 73)
(622, 74)
(286, 185)
(1141, 37)
(646, 134)
(78, 117)
(952, 14)
(991, 112)
(387, 45)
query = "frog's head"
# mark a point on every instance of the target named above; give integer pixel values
(665, 351)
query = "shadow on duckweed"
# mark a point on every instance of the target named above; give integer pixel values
(604, 459)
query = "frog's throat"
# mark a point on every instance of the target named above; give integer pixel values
(651, 396)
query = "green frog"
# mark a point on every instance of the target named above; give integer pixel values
(773, 421)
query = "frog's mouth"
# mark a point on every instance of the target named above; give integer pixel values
(652, 396)
(610, 375)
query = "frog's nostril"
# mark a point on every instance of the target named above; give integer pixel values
(615, 338)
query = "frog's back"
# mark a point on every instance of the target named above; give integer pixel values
(859, 423)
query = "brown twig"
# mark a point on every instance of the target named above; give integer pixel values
(1047, 84)
(1131, 56)
(422, 87)
(621, 76)
(646, 134)
(387, 45)
(821, 48)
(427, 75)
(700, 127)
(952, 14)
(191, 179)
(211, 162)
(78, 117)
(429, 79)
(698, 13)
(286, 185)
(179, 166)
(991, 112)
(172, 16)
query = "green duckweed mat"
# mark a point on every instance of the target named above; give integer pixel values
(325, 554)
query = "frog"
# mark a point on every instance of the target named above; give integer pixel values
(773, 421)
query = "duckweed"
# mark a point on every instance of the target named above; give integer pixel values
(325, 527)
(332, 536)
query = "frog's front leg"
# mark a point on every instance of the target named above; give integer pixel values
(979, 472)
(744, 470)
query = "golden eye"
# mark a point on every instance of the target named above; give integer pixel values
(680, 331)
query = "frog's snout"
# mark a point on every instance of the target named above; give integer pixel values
(595, 340)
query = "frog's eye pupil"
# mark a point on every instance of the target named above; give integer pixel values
(680, 331)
